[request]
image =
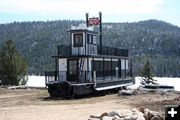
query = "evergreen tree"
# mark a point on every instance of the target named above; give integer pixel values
(13, 67)
(146, 72)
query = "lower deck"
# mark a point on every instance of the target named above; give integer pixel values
(84, 74)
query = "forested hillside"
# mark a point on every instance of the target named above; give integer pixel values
(155, 40)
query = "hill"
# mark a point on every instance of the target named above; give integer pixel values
(155, 40)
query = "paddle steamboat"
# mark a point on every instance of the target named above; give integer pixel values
(85, 66)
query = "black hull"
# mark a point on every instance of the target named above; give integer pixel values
(69, 90)
(65, 90)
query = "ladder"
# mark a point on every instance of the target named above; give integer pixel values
(81, 66)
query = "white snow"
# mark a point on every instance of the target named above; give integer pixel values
(36, 81)
(161, 80)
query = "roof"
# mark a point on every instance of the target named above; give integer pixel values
(89, 56)
(83, 30)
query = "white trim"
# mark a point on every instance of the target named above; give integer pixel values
(101, 59)
(114, 59)
(107, 59)
(111, 87)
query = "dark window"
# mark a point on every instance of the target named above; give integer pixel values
(98, 67)
(114, 66)
(78, 40)
(107, 68)
(72, 67)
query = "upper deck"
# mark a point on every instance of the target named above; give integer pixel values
(84, 41)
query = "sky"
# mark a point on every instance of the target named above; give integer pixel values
(112, 10)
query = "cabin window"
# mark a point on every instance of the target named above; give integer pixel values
(114, 67)
(107, 68)
(78, 40)
(98, 67)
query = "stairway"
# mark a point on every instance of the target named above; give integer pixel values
(81, 66)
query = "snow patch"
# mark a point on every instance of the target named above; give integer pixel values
(36, 81)
(161, 80)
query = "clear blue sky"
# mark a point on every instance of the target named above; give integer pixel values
(113, 10)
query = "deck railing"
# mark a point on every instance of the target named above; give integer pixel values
(113, 51)
(66, 50)
(50, 76)
(85, 76)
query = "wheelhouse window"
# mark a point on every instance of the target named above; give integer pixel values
(91, 39)
(78, 40)
(94, 39)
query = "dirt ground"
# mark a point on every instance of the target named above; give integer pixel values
(33, 104)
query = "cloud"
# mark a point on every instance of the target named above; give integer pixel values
(75, 7)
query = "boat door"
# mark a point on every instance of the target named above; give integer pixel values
(72, 70)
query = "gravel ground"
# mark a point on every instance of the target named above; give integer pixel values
(33, 104)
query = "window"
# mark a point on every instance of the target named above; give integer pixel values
(94, 39)
(72, 66)
(107, 68)
(114, 65)
(98, 67)
(91, 39)
(78, 40)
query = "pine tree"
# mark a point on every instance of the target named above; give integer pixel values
(13, 67)
(146, 72)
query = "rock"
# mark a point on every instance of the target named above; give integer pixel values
(116, 117)
(114, 113)
(141, 109)
(104, 114)
(95, 116)
(128, 118)
(140, 115)
(130, 114)
(148, 114)
(157, 117)
(119, 119)
(126, 113)
(93, 119)
(133, 114)
(107, 118)
(132, 117)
